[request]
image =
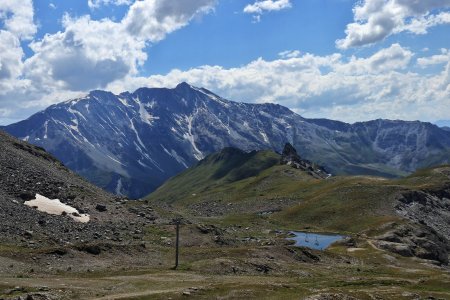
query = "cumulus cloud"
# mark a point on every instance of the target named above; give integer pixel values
(393, 58)
(97, 3)
(10, 57)
(374, 20)
(444, 57)
(153, 19)
(262, 6)
(17, 17)
(289, 54)
(86, 54)
(332, 86)
(89, 54)
(17, 20)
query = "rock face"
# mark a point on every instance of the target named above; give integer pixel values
(290, 157)
(427, 234)
(430, 208)
(131, 143)
(415, 240)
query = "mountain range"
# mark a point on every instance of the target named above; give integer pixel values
(131, 143)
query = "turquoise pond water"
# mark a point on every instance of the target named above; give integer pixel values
(315, 240)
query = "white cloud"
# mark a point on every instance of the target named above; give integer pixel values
(442, 58)
(10, 58)
(393, 58)
(16, 21)
(97, 3)
(421, 25)
(260, 7)
(289, 54)
(87, 54)
(374, 20)
(333, 86)
(17, 17)
(152, 20)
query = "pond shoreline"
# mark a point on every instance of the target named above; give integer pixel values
(313, 240)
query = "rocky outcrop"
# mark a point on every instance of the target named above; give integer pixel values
(415, 240)
(290, 157)
(429, 208)
(426, 234)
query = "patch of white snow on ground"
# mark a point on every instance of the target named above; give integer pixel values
(55, 207)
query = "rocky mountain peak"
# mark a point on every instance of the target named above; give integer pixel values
(289, 154)
(290, 157)
(183, 85)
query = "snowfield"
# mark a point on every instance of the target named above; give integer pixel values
(55, 207)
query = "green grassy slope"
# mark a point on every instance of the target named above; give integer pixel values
(215, 172)
(253, 188)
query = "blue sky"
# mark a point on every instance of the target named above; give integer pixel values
(340, 59)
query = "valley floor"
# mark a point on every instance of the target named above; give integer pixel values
(244, 271)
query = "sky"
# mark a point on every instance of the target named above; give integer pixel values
(339, 59)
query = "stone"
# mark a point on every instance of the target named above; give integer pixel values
(101, 207)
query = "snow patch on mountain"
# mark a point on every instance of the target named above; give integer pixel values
(264, 135)
(175, 155)
(76, 112)
(118, 189)
(124, 102)
(190, 137)
(56, 207)
(145, 116)
(46, 129)
(137, 134)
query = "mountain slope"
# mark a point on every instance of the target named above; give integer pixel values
(132, 142)
(224, 179)
(27, 170)
(409, 213)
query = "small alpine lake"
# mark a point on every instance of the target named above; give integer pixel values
(318, 241)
